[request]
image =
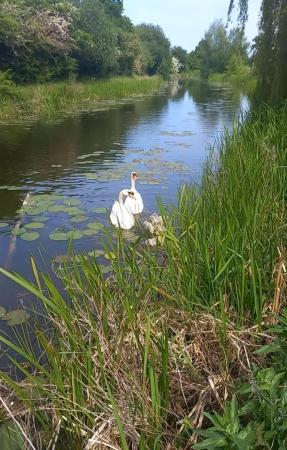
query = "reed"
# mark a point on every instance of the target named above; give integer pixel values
(132, 360)
(50, 100)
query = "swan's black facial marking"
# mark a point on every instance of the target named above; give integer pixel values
(135, 175)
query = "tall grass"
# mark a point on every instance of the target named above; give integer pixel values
(132, 360)
(51, 99)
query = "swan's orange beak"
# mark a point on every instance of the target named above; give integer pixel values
(135, 176)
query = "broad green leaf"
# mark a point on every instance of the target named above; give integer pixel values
(79, 219)
(72, 202)
(75, 234)
(30, 236)
(96, 225)
(58, 236)
(3, 224)
(18, 231)
(2, 311)
(34, 225)
(100, 210)
(96, 253)
(90, 232)
(56, 208)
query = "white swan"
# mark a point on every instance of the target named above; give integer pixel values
(120, 216)
(134, 204)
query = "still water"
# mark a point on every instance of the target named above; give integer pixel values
(75, 167)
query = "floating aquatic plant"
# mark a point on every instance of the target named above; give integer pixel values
(79, 219)
(72, 202)
(3, 224)
(96, 225)
(90, 232)
(58, 236)
(100, 210)
(34, 225)
(30, 236)
(18, 231)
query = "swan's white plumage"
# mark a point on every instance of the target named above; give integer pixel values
(134, 205)
(120, 217)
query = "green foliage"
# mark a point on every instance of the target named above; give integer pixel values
(118, 349)
(226, 431)
(270, 51)
(260, 420)
(50, 40)
(157, 49)
(219, 50)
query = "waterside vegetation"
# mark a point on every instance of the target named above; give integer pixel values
(48, 100)
(138, 358)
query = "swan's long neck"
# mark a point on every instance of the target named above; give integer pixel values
(133, 183)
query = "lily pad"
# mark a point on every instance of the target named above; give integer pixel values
(73, 211)
(96, 225)
(96, 253)
(72, 202)
(79, 219)
(75, 234)
(36, 211)
(16, 317)
(41, 219)
(3, 224)
(34, 225)
(58, 236)
(106, 269)
(55, 208)
(2, 311)
(18, 231)
(100, 210)
(90, 232)
(30, 236)
(110, 256)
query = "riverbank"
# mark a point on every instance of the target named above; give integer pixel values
(134, 360)
(245, 80)
(48, 100)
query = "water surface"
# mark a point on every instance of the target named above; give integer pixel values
(76, 165)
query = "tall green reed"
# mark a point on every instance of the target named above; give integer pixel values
(113, 344)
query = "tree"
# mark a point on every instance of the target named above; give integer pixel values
(214, 50)
(221, 51)
(182, 56)
(270, 50)
(157, 47)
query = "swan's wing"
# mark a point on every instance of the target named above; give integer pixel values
(139, 202)
(130, 205)
(116, 214)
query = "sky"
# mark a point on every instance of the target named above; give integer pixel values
(185, 21)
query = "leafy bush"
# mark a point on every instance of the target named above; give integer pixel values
(7, 87)
(261, 421)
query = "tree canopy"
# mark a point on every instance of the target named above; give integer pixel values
(270, 50)
(43, 40)
(220, 50)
